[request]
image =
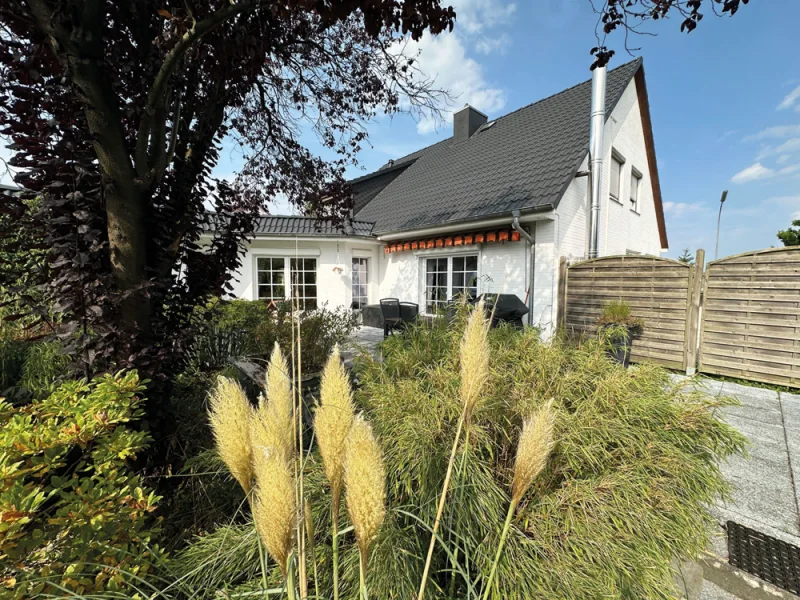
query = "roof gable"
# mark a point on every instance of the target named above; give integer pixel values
(523, 160)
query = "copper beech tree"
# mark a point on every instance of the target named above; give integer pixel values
(116, 113)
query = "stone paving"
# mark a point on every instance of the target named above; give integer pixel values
(766, 483)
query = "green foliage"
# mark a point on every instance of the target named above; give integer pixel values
(791, 235)
(626, 490)
(28, 369)
(72, 514)
(686, 257)
(617, 320)
(245, 327)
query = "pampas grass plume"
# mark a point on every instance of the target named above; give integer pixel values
(365, 481)
(274, 507)
(535, 445)
(474, 359)
(273, 426)
(230, 415)
(333, 419)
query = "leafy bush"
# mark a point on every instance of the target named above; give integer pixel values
(245, 327)
(73, 517)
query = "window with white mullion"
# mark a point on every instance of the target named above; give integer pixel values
(448, 278)
(304, 282)
(464, 280)
(360, 282)
(436, 284)
(271, 274)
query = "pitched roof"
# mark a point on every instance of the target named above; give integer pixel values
(290, 225)
(523, 160)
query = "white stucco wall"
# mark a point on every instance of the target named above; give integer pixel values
(332, 288)
(621, 229)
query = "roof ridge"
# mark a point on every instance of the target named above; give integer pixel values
(564, 91)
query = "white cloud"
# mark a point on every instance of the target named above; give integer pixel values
(487, 45)
(444, 58)
(678, 209)
(796, 216)
(476, 16)
(789, 146)
(753, 173)
(783, 159)
(791, 100)
(777, 132)
(758, 171)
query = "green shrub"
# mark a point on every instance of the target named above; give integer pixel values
(73, 516)
(245, 327)
(618, 320)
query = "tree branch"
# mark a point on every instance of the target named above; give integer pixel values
(168, 67)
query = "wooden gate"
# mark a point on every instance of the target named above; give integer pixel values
(751, 317)
(658, 290)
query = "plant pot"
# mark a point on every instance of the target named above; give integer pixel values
(619, 347)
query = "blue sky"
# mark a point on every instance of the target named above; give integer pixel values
(725, 104)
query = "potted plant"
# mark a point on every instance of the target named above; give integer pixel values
(619, 328)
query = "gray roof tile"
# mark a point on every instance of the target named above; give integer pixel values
(524, 160)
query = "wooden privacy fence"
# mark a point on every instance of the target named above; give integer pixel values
(658, 290)
(741, 318)
(751, 317)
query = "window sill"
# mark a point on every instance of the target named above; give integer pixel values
(636, 212)
(613, 199)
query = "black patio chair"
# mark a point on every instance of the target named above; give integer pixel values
(390, 310)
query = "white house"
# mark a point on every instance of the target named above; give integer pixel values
(474, 212)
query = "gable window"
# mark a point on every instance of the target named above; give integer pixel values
(278, 277)
(360, 280)
(271, 278)
(448, 278)
(636, 183)
(615, 180)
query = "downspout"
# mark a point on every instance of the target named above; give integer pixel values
(532, 242)
(598, 121)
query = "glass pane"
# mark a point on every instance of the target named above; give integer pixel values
(458, 263)
(472, 263)
(279, 292)
(277, 264)
(264, 277)
(309, 277)
(263, 291)
(458, 280)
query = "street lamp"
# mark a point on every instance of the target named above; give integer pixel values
(719, 218)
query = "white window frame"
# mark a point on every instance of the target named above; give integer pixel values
(449, 256)
(288, 283)
(258, 270)
(635, 188)
(364, 284)
(618, 158)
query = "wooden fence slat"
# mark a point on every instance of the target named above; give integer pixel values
(751, 317)
(656, 289)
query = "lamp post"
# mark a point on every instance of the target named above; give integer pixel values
(719, 218)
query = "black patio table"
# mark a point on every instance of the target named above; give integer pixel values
(504, 308)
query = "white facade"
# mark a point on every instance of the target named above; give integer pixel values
(501, 267)
(333, 288)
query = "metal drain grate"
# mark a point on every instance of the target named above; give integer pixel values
(770, 559)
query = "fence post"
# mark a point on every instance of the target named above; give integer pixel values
(693, 312)
(561, 308)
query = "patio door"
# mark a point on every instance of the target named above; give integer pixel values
(360, 282)
(447, 278)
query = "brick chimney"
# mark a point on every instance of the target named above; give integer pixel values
(466, 122)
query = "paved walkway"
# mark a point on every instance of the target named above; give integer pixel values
(767, 482)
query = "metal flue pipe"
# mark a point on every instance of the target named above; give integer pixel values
(598, 122)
